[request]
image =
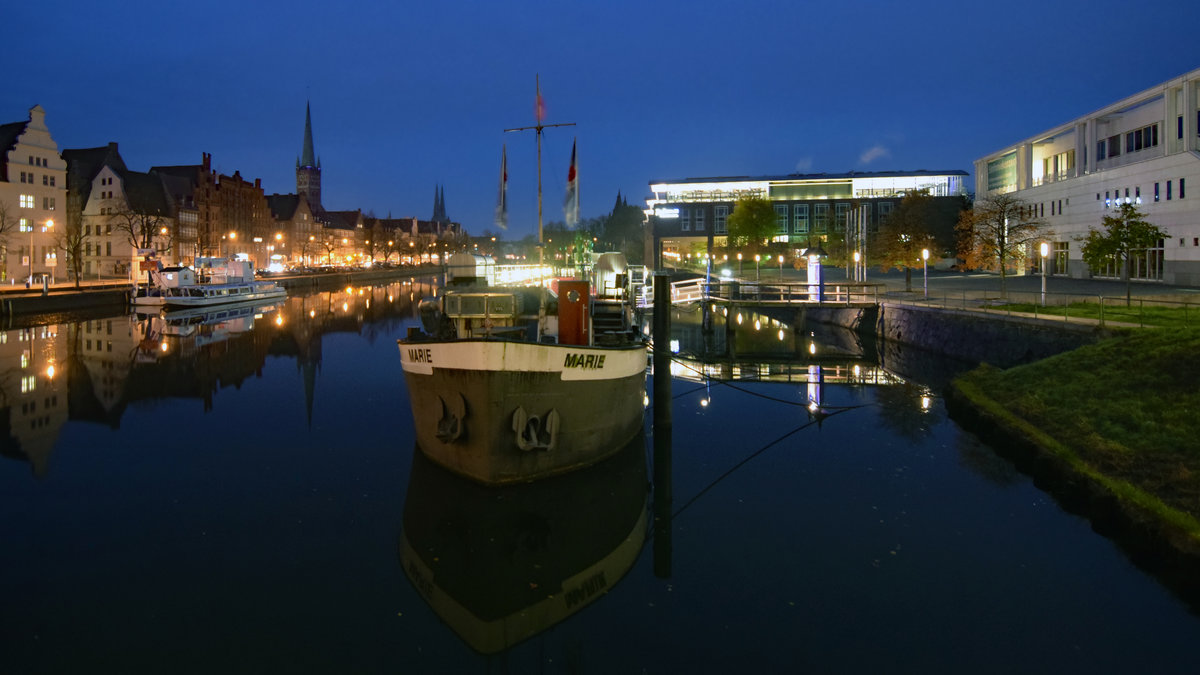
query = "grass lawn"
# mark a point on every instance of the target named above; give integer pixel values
(1125, 411)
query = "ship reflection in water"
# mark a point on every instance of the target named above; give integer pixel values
(502, 564)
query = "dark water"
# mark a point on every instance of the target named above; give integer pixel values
(239, 498)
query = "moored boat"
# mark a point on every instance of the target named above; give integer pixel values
(228, 281)
(511, 384)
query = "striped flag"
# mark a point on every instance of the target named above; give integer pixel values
(571, 204)
(502, 197)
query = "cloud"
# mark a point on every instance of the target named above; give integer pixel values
(874, 153)
(804, 164)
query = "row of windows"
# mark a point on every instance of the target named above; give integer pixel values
(1138, 139)
(1136, 198)
(38, 161)
(87, 229)
(690, 219)
(87, 249)
(30, 178)
(29, 202)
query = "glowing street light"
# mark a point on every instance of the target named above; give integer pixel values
(739, 265)
(781, 268)
(1044, 249)
(925, 269)
(757, 271)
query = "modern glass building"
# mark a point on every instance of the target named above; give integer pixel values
(808, 207)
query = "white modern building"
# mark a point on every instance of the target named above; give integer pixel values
(1144, 149)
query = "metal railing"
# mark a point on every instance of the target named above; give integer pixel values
(1099, 310)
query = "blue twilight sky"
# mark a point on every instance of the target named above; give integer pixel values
(407, 96)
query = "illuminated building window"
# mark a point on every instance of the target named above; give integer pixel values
(27, 201)
(801, 214)
(28, 384)
(820, 217)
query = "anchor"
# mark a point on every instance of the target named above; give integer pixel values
(453, 423)
(534, 432)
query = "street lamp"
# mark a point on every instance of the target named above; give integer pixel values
(757, 258)
(857, 259)
(739, 266)
(1044, 249)
(781, 268)
(925, 270)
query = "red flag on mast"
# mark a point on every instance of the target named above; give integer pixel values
(571, 204)
(502, 197)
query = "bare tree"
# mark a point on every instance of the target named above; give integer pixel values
(143, 229)
(8, 224)
(997, 232)
(72, 242)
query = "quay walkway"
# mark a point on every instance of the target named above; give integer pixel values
(971, 292)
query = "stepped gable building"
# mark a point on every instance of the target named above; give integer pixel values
(809, 208)
(1143, 149)
(33, 199)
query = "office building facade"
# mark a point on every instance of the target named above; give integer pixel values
(1143, 149)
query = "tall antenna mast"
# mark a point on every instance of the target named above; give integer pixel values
(539, 111)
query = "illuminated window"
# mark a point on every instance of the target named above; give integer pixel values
(820, 217)
(28, 384)
(27, 201)
(801, 214)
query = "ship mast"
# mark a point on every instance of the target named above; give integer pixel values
(539, 111)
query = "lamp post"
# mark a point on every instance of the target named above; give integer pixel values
(925, 270)
(857, 258)
(1044, 249)
(757, 271)
(781, 268)
(739, 265)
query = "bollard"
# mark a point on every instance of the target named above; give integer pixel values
(662, 426)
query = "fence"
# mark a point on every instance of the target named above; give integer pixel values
(1101, 309)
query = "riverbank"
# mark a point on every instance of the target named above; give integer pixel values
(1111, 431)
(19, 305)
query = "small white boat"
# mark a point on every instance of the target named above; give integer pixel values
(228, 281)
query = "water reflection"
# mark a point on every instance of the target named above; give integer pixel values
(93, 370)
(500, 565)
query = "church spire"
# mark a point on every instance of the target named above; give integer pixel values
(308, 167)
(308, 159)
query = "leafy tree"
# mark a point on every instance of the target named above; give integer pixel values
(1125, 234)
(905, 233)
(997, 232)
(752, 223)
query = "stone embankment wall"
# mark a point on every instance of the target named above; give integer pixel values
(999, 339)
